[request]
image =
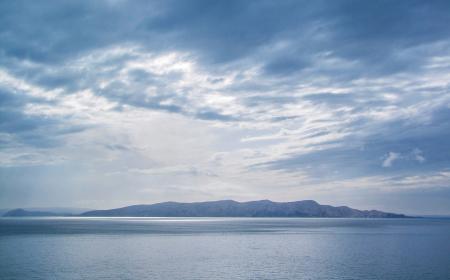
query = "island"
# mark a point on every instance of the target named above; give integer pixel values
(231, 208)
(224, 208)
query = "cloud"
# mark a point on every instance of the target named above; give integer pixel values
(289, 94)
(20, 127)
(390, 159)
(418, 155)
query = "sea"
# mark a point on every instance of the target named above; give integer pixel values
(224, 248)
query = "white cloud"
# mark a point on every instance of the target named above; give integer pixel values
(418, 155)
(390, 159)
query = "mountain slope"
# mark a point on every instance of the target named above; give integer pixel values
(230, 208)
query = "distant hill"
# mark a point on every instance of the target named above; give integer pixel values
(24, 213)
(43, 212)
(231, 208)
(63, 211)
(3, 211)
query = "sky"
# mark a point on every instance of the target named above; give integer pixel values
(111, 103)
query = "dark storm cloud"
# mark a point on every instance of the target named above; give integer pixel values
(222, 31)
(288, 38)
(380, 30)
(381, 37)
(52, 31)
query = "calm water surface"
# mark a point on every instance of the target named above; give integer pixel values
(224, 248)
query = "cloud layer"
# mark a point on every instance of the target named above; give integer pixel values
(107, 103)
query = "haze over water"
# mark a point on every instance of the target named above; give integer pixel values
(224, 248)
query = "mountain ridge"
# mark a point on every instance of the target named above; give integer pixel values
(231, 208)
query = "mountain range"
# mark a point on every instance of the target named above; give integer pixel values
(231, 208)
(224, 208)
